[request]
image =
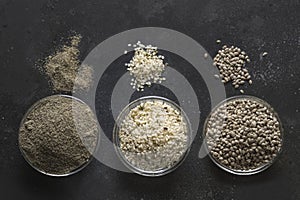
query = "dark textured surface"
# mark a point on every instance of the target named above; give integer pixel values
(29, 30)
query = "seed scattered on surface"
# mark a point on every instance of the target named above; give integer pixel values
(146, 66)
(153, 135)
(265, 54)
(231, 63)
(242, 91)
(218, 41)
(243, 134)
(206, 55)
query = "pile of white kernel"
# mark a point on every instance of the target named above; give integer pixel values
(153, 135)
(146, 66)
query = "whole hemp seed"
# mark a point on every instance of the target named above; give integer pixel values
(58, 135)
(243, 134)
(231, 63)
(264, 54)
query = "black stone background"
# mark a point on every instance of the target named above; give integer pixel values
(30, 30)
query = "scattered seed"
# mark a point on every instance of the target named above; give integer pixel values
(146, 66)
(231, 63)
(218, 41)
(265, 54)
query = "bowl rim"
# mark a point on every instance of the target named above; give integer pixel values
(131, 167)
(79, 168)
(251, 171)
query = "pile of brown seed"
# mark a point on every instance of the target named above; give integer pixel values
(231, 64)
(243, 134)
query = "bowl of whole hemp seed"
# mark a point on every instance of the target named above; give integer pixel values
(243, 135)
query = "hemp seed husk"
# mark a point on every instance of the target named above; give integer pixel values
(58, 135)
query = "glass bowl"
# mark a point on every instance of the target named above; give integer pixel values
(79, 168)
(236, 171)
(129, 165)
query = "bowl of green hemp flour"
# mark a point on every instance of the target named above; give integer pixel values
(243, 135)
(58, 135)
(152, 136)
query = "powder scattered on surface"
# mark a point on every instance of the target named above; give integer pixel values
(58, 135)
(83, 79)
(64, 70)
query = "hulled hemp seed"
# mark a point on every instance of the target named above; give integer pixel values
(154, 135)
(146, 66)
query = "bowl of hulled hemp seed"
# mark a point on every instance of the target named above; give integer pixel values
(152, 136)
(243, 135)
